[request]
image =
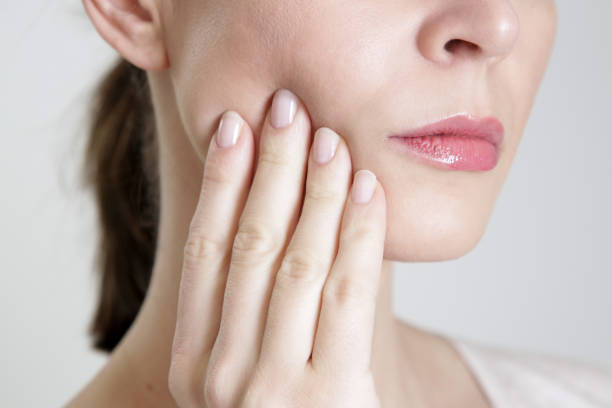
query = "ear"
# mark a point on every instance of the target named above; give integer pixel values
(132, 27)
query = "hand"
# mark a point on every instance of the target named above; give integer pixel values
(278, 288)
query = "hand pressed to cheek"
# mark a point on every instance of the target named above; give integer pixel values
(264, 277)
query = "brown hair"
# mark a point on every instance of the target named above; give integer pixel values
(120, 168)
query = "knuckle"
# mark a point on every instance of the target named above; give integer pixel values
(257, 398)
(360, 232)
(252, 399)
(218, 173)
(200, 246)
(176, 383)
(252, 241)
(217, 389)
(180, 385)
(180, 347)
(320, 192)
(299, 267)
(271, 154)
(214, 395)
(262, 392)
(346, 291)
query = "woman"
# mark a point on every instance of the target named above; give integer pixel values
(258, 166)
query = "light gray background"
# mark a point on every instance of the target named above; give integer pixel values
(540, 278)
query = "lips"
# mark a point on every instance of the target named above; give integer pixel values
(460, 142)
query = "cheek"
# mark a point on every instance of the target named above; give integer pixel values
(209, 85)
(217, 65)
(230, 68)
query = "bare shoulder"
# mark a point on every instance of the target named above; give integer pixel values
(527, 378)
(485, 375)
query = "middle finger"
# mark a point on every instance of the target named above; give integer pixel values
(268, 219)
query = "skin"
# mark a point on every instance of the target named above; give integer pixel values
(360, 70)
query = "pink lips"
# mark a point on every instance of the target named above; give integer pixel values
(457, 143)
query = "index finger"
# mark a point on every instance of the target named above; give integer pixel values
(225, 182)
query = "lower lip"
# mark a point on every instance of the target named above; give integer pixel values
(451, 152)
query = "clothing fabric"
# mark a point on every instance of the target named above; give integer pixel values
(519, 379)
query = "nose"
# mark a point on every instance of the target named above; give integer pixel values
(477, 29)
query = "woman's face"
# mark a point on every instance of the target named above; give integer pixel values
(367, 69)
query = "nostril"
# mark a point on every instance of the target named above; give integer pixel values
(457, 46)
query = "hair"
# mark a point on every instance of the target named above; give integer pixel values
(121, 169)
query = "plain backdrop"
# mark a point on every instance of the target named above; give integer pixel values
(539, 280)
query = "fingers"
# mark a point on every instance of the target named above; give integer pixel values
(223, 192)
(268, 219)
(295, 299)
(343, 339)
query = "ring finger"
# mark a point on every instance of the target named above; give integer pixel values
(295, 301)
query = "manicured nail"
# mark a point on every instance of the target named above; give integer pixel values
(284, 106)
(363, 186)
(229, 129)
(325, 144)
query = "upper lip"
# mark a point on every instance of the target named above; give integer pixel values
(488, 128)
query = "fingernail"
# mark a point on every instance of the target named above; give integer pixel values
(229, 129)
(325, 144)
(284, 106)
(363, 186)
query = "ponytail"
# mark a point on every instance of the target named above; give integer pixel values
(120, 168)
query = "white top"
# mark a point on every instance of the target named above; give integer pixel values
(518, 379)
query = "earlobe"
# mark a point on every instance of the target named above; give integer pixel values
(131, 28)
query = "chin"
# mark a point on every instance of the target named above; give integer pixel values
(437, 234)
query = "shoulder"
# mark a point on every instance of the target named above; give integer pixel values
(512, 378)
